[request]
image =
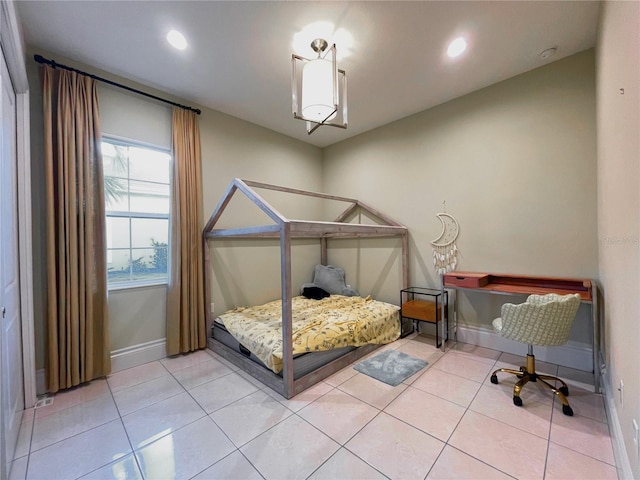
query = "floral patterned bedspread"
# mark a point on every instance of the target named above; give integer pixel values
(333, 322)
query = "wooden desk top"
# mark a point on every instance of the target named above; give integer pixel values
(519, 284)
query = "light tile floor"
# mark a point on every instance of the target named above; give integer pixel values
(197, 416)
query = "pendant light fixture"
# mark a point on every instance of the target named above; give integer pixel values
(319, 88)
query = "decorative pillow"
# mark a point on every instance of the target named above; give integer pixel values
(331, 279)
(315, 293)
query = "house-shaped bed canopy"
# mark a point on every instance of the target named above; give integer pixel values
(287, 229)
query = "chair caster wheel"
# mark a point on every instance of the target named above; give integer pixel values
(517, 401)
(564, 390)
(494, 379)
(567, 410)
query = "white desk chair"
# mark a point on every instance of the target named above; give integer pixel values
(542, 320)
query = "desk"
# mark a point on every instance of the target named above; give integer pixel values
(527, 285)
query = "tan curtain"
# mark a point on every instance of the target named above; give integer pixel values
(77, 320)
(185, 295)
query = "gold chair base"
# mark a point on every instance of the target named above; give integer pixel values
(528, 374)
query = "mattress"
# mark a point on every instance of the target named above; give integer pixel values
(303, 363)
(328, 324)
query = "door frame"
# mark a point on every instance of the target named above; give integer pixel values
(12, 48)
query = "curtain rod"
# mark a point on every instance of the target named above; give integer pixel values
(54, 64)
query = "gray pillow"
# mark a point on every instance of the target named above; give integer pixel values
(331, 279)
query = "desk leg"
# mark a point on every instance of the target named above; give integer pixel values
(445, 333)
(455, 315)
(445, 316)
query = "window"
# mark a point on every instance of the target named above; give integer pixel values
(137, 202)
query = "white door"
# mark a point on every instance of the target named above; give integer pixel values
(11, 345)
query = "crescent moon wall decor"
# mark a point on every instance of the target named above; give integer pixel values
(445, 251)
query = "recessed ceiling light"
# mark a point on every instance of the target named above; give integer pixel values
(176, 40)
(457, 47)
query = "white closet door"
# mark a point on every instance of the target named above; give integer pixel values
(11, 331)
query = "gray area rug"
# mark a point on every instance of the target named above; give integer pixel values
(390, 367)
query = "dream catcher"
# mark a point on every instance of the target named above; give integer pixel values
(444, 247)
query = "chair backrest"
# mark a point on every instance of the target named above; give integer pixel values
(541, 320)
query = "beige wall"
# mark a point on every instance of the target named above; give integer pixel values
(618, 121)
(230, 148)
(515, 163)
(248, 271)
(137, 316)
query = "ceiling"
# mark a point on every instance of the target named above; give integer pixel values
(238, 60)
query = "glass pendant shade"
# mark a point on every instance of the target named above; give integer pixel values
(319, 88)
(317, 91)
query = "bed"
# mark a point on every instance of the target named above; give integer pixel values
(263, 365)
(333, 323)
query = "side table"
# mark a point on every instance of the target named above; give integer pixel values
(424, 305)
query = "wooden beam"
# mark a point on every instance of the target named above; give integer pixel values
(207, 286)
(287, 311)
(379, 214)
(344, 215)
(319, 229)
(330, 368)
(257, 371)
(259, 201)
(258, 232)
(323, 251)
(276, 382)
(307, 193)
(222, 204)
(310, 229)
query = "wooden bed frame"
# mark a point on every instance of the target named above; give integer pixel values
(286, 230)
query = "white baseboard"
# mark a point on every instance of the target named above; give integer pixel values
(615, 430)
(138, 355)
(572, 354)
(120, 360)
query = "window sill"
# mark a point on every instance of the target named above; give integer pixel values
(135, 286)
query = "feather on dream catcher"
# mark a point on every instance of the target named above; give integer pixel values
(445, 251)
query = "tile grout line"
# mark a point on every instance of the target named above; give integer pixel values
(380, 411)
(206, 414)
(467, 409)
(33, 424)
(133, 452)
(340, 446)
(120, 416)
(169, 373)
(76, 434)
(238, 449)
(70, 436)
